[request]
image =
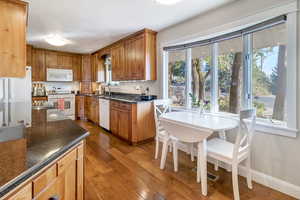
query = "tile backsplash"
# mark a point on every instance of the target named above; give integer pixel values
(61, 86)
(136, 87)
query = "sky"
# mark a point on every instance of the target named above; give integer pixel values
(270, 61)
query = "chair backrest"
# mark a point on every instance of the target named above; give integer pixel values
(161, 106)
(245, 132)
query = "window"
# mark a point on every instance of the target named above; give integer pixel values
(269, 72)
(230, 54)
(253, 67)
(201, 75)
(177, 77)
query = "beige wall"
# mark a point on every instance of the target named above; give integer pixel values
(274, 155)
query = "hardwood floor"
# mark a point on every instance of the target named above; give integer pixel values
(116, 171)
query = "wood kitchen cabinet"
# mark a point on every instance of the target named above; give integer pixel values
(98, 68)
(133, 122)
(76, 67)
(38, 65)
(120, 121)
(79, 107)
(51, 59)
(91, 108)
(117, 62)
(133, 57)
(13, 18)
(62, 179)
(86, 68)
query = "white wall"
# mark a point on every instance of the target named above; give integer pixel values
(276, 156)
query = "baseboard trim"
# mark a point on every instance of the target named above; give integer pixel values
(263, 179)
(268, 181)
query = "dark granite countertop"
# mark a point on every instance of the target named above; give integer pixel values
(25, 151)
(128, 98)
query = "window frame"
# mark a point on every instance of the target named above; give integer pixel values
(284, 128)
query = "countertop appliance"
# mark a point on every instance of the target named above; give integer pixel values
(104, 113)
(60, 75)
(13, 91)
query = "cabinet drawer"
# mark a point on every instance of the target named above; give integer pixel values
(24, 194)
(66, 161)
(41, 182)
(120, 105)
(125, 106)
(55, 190)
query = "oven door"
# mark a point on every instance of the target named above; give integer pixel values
(68, 106)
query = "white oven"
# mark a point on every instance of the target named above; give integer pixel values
(69, 105)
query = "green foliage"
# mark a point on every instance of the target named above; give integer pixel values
(223, 104)
(260, 108)
(225, 63)
(178, 69)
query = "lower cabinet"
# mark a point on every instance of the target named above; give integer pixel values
(120, 122)
(133, 122)
(61, 180)
(91, 108)
(79, 107)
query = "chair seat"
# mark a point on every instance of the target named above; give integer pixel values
(218, 148)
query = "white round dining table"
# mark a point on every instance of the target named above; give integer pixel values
(205, 123)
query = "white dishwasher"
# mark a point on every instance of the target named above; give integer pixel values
(104, 113)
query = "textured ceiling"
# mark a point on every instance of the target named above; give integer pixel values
(92, 24)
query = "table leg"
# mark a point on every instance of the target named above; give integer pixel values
(201, 161)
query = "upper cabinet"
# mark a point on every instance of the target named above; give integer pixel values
(117, 62)
(13, 16)
(134, 57)
(77, 63)
(41, 59)
(38, 65)
(86, 68)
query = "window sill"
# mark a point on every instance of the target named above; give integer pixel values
(261, 125)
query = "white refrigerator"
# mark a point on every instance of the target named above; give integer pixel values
(15, 100)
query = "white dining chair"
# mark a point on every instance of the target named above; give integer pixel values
(234, 153)
(162, 106)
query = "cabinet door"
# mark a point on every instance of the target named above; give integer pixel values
(95, 110)
(51, 59)
(86, 68)
(124, 121)
(65, 61)
(38, 65)
(94, 63)
(13, 16)
(79, 109)
(114, 124)
(76, 63)
(117, 62)
(135, 58)
(87, 107)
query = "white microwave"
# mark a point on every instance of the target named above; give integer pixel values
(59, 75)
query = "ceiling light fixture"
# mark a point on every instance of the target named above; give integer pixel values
(167, 2)
(56, 40)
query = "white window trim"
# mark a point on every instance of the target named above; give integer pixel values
(289, 128)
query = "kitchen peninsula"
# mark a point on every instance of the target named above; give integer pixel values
(43, 161)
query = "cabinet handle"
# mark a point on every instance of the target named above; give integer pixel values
(55, 197)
